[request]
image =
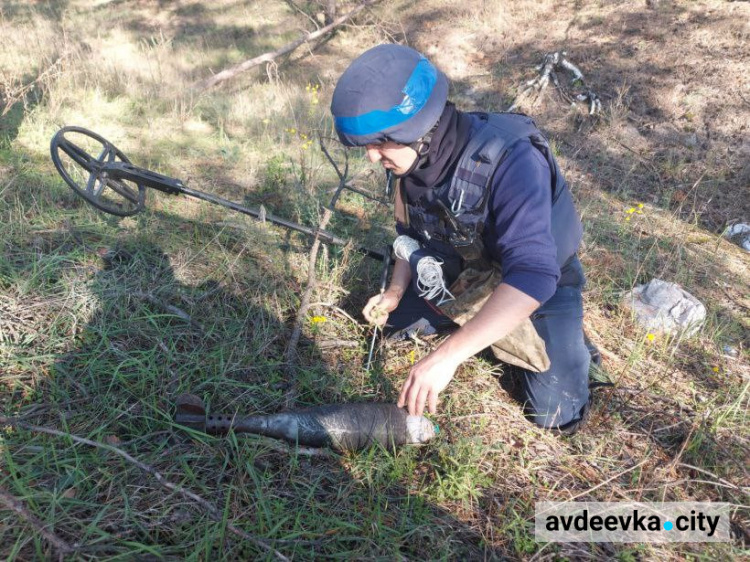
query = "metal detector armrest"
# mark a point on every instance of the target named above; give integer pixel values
(141, 176)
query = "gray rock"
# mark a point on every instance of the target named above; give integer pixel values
(665, 307)
(730, 352)
(739, 234)
(691, 140)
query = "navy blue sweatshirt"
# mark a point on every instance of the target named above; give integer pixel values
(518, 232)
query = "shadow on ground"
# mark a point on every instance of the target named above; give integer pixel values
(148, 337)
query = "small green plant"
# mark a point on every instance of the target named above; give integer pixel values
(275, 175)
(458, 473)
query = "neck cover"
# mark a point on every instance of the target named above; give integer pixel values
(448, 142)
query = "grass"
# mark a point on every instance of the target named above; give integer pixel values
(104, 321)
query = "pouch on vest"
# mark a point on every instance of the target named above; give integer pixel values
(523, 347)
(450, 266)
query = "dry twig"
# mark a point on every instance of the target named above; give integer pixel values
(295, 7)
(720, 481)
(14, 504)
(212, 510)
(291, 349)
(337, 344)
(339, 311)
(13, 97)
(685, 443)
(608, 480)
(171, 309)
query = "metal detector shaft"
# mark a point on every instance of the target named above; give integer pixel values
(324, 235)
(111, 183)
(383, 283)
(172, 186)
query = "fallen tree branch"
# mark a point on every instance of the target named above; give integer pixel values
(213, 511)
(288, 48)
(553, 63)
(14, 504)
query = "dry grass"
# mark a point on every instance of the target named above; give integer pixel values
(84, 352)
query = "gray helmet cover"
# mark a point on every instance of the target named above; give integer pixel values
(390, 92)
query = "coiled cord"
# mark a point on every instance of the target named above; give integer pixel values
(430, 281)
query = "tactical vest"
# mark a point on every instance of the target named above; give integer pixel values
(449, 219)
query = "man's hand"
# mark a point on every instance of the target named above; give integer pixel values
(378, 308)
(503, 311)
(427, 378)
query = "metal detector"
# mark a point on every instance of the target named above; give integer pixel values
(100, 173)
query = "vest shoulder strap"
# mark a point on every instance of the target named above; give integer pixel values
(490, 145)
(469, 189)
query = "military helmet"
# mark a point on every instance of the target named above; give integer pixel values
(390, 92)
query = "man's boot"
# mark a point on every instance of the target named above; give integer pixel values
(596, 357)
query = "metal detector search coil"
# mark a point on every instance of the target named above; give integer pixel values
(109, 182)
(103, 181)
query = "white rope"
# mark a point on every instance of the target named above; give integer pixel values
(430, 281)
(404, 247)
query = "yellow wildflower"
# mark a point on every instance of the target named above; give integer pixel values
(318, 319)
(650, 337)
(715, 369)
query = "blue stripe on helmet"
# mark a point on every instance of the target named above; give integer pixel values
(417, 92)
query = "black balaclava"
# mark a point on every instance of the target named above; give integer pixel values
(448, 141)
